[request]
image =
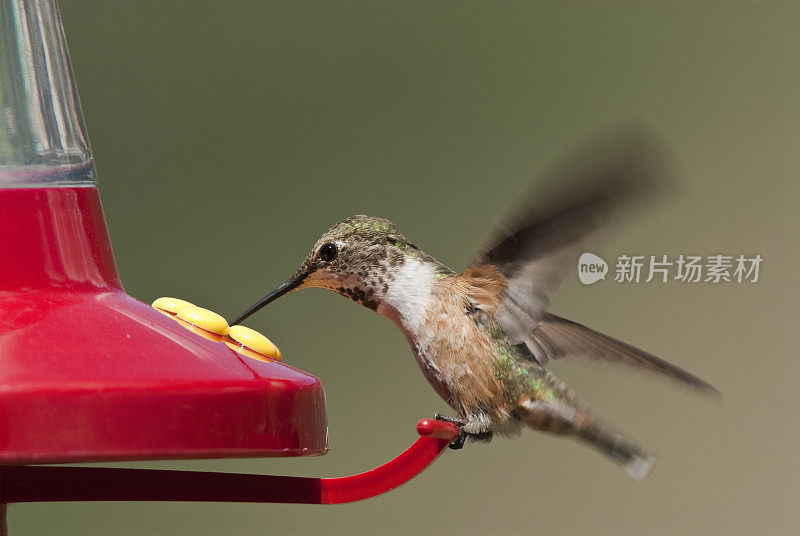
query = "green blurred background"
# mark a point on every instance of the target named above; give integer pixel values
(229, 135)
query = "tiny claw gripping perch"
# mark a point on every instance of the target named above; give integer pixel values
(458, 443)
(42, 483)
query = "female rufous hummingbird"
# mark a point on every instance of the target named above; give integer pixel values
(482, 336)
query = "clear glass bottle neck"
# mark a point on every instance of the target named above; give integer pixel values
(43, 139)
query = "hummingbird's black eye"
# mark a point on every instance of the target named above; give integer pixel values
(328, 252)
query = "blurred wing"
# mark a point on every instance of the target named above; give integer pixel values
(540, 244)
(559, 338)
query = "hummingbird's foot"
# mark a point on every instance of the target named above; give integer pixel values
(463, 434)
(458, 444)
(440, 417)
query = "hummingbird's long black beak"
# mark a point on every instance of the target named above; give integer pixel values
(282, 289)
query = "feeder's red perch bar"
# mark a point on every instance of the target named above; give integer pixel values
(40, 484)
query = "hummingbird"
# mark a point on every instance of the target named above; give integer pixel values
(482, 336)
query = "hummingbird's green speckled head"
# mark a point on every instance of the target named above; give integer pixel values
(359, 258)
(356, 258)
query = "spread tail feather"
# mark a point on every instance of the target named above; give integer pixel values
(568, 418)
(636, 462)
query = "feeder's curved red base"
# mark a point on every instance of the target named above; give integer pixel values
(87, 373)
(39, 484)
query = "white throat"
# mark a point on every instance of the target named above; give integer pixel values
(409, 294)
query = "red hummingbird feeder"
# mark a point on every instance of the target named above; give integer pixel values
(88, 373)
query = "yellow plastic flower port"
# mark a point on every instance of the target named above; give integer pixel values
(171, 305)
(250, 339)
(204, 319)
